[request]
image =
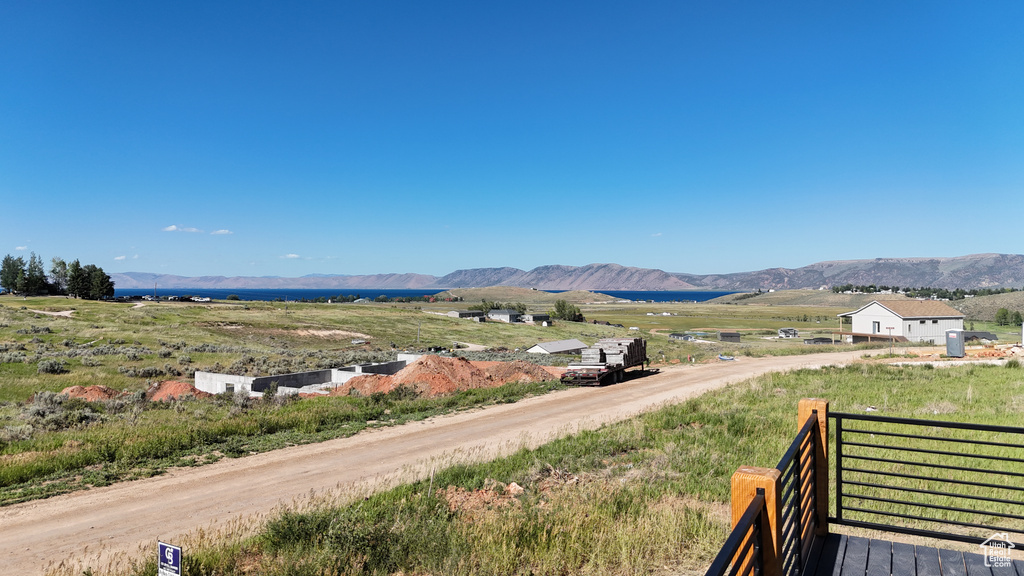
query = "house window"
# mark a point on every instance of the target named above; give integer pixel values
(229, 388)
(876, 327)
(935, 321)
(922, 321)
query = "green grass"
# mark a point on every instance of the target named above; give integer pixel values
(641, 496)
(155, 436)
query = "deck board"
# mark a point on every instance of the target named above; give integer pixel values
(976, 565)
(1003, 569)
(843, 555)
(927, 561)
(904, 560)
(952, 563)
(879, 558)
(831, 550)
(855, 560)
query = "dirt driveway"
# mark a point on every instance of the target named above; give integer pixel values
(104, 524)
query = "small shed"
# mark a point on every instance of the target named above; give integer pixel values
(466, 314)
(571, 346)
(536, 317)
(729, 337)
(788, 333)
(509, 316)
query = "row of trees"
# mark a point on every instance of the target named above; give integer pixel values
(30, 278)
(487, 306)
(923, 292)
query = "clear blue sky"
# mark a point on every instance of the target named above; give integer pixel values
(291, 138)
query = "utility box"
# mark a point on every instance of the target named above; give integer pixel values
(955, 347)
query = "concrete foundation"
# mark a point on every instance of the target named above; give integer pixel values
(314, 381)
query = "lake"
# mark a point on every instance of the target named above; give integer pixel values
(313, 294)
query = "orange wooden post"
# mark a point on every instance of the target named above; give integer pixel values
(745, 482)
(804, 410)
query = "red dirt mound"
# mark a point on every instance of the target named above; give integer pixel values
(92, 393)
(434, 376)
(172, 390)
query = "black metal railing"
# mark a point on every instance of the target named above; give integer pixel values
(949, 480)
(743, 554)
(798, 499)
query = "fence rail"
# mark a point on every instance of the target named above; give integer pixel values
(742, 554)
(948, 480)
(945, 480)
(797, 498)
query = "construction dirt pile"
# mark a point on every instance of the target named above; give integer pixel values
(92, 393)
(436, 376)
(172, 390)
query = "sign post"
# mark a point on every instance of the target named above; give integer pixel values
(890, 328)
(168, 560)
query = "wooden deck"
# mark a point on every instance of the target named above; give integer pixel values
(843, 555)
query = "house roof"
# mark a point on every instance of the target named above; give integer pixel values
(914, 309)
(561, 346)
(504, 312)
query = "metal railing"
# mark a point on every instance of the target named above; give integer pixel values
(743, 554)
(798, 498)
(789, 500)
(947, 480)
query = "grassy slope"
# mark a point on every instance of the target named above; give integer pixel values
(127, 347)
(641, 496)
(807, 298)
(984, 308)
(537, 299)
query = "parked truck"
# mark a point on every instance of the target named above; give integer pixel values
(606, 362)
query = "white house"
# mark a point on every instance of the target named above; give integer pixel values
(905, 320)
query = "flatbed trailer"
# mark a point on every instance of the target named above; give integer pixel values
(606, 362)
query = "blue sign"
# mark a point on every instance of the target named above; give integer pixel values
(168, 561)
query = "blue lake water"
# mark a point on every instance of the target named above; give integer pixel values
(313, 294)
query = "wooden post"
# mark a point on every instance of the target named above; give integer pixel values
(745, 482)
(804, 410)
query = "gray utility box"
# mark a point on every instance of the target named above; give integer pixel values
(955, 344)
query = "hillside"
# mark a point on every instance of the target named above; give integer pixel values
(526, 295)
(974, 271)
(985, 307)
(806, 298)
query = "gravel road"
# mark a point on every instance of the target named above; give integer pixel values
(103, 525)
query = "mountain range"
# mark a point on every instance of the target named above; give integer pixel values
(973, 271)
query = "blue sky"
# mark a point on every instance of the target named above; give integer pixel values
(284, 139)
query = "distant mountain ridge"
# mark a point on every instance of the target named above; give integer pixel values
(973, 271)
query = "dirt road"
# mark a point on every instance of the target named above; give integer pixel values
(102, 525)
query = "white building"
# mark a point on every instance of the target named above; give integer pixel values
(572, 346)
(509, 316)
(905, 321)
